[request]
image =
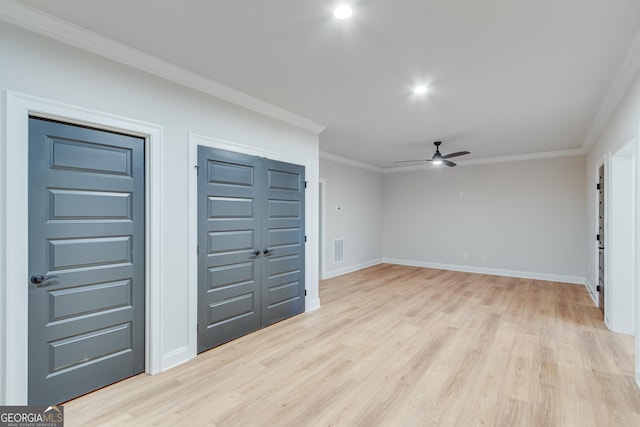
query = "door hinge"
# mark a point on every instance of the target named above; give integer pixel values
(305, 239)
(598, 288)
(305, 184)
(197, 170)
(197, 249)
(198, 327)
(597, 237)
(305, 292)
(597, 186)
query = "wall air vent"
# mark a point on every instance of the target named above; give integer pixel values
(338, 251)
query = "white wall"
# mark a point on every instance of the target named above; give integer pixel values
(620, 128)
(522, 218)
(35, 65)
(619, 300)
(357, 192)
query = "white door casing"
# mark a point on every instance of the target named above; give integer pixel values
(14, 222)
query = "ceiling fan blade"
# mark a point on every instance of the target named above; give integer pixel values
(409, 161)
(448, 163)
(456, 154)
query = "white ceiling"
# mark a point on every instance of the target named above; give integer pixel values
(507, 77)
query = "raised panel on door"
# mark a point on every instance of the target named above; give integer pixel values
(86, 227)
(229, 291)
(283, 237)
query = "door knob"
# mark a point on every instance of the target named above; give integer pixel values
(39, 279)
(267, 252)
(254, 253)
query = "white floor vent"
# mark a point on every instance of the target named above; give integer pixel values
(338, 251)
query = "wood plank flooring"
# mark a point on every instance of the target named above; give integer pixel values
(400, 346)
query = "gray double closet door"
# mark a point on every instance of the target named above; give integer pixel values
(86, 260)
(250, 244)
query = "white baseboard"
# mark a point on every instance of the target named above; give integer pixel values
(350, 269)
(493, 271)
(593, 293)
(314, 304)
(175, 358)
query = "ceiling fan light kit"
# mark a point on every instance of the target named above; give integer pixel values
(438, 158)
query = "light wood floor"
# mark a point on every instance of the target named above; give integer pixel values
(400, 346)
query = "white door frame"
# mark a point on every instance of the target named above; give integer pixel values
(14, 222)
(637, 252)
(323, 227)
(312, 301)
(620, 303)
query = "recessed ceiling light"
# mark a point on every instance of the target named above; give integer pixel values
(420, 89)
(342, 12)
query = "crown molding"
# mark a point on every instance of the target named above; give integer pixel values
(492, 160)
(344, 160)
(485, 161)
(33, 20)
(617, 90)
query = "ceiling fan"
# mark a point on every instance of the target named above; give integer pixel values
(438, 158)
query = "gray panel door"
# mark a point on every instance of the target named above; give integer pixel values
(283, 235)
(229, 291)
(250, 244)
(86, 229)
